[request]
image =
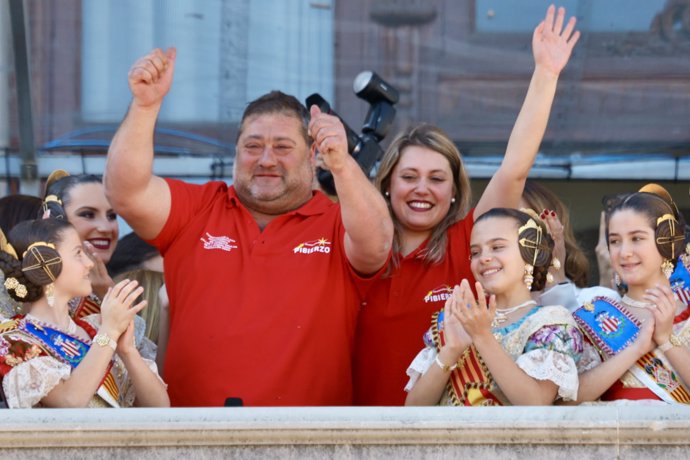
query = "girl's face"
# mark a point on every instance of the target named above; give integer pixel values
(421, 188)
(76, 266)
(634, 255)
(495, 257)
(91, 214)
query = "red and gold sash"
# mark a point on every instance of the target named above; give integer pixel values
(470, 384)
(69, 349)
(86, 306)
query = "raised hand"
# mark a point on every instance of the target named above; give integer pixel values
(556, 229)
(664, 311)
(150, 77)
(475, 315)
(118, 308)
(328, 134)
(100, 279)
(552, 44)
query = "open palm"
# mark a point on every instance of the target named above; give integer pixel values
(552, 44)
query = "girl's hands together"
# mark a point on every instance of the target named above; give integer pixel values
(118, 307)
(475, 315)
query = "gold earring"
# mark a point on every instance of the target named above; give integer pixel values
(667, 268)
(50, 295)
(528, 277)
(555, 263)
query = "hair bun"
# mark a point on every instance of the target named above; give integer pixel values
(41, 264)
(658, 190)
(55, 176)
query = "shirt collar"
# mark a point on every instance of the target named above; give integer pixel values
(318, 204)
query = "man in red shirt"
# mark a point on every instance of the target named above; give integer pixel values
(264, 277)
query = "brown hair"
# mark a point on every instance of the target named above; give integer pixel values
(538, 249)
(576, 265)
(37, 265)
(435, 139)
(669, 232)
(277, 102)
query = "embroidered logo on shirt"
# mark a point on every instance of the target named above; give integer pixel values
(440, 294)
(223, 243)
(310, 247)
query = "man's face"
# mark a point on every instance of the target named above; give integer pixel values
(273, 166)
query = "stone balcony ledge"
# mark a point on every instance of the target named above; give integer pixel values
(600, 432)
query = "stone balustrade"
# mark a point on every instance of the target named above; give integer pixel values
(598, 432)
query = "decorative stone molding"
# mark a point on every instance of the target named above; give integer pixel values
(535, 432)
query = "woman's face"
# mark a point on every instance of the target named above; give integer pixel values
(634, 255)
(76, 265)
(421, 189)
(91, 214)
(495, 257)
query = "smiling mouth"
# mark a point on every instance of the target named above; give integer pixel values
(629, 266)
(420, 205)
(490, 271)
(100, 243)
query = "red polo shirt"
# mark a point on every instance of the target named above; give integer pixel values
(266, 316)
(397, 313)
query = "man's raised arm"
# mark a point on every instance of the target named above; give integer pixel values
(141, 198)
(368, 224)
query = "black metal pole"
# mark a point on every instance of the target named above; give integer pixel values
(29, 168)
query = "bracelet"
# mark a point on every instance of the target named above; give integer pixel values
(444, 367)
(103, 340)
(673, 341)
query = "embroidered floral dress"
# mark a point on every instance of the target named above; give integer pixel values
(545, 343)
(30, 370)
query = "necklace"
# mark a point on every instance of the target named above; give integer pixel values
(630, 302)
(502, 314)
(70, 329)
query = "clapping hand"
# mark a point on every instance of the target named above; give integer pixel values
(664, 311)
(456, 338)
(118, 308)
(475, 315)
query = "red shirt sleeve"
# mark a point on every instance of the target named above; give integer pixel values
(187, 200)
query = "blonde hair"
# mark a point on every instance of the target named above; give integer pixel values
(435, 139)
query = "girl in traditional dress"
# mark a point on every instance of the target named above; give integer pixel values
(507, 350)
(48, 359)
(643, 338)
(428, 193)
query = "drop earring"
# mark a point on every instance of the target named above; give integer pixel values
(50, 295)
(528, 277)
(667, 268)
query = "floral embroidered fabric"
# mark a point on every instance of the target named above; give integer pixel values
(545, 343)
(33, 375)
